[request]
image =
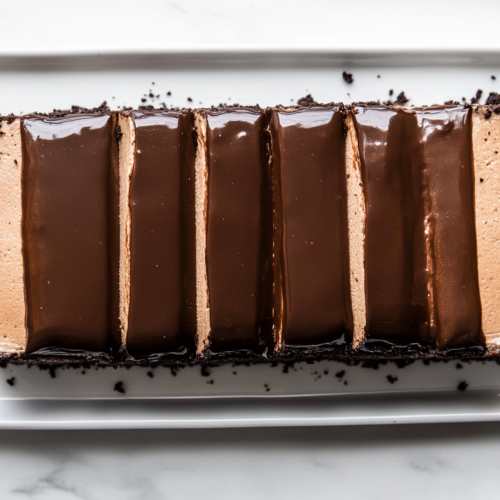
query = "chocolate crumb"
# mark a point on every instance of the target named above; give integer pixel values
(204, 371)
(345, 382)
(479, 94)
(308, 100)
(340, 375)
(11, 381)
(143, 99)
(401, 99)
(462, 386)
(15, 161)
(493, 98)
(169, 93)
(459, 366)
(493, 77)
(402, 363)
(392, 379)
(150, 374)
(347, 77)
(118, 134)
(378, 76)
(189, 99)
(119, 388)
(480, 180)
(391, 92)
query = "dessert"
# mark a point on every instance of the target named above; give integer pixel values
(158, 311)
(70, 253)
(420, 248)
(238, 219)
(486, 152)
(12, 307)
(241, 233)
(457, 308)
(312, 292)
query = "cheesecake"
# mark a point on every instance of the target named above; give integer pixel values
(250, 234)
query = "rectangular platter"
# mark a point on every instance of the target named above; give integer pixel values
(322, 393)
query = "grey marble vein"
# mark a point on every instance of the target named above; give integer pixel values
(452, 461)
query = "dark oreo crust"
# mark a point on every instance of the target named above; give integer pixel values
(369, 355)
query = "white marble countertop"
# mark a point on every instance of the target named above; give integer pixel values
(443, 461)
(157, 25)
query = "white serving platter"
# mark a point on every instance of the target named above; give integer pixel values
(258, 395)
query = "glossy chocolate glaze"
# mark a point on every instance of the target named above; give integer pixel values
(239, 231)
(69, 234)
(392, 165)
(162, 312)
(447, 148)
(312, 293)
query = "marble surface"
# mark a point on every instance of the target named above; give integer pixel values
(156, 25)
(445, 461)
(449, 461)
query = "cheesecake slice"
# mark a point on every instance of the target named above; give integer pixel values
(420, 258)
(234, 232)
(391, 183)
(70, 233)
(12, 306)
(486, 154)
(312, 293)
(158, 313)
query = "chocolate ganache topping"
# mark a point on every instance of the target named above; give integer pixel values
(70, 233)
(162, 312)
(312, 293)
(239, 231)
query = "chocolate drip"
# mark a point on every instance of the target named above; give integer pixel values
(70, 239)
(162, 312)
(312, 293)
(392, 165)
(239, 231)
(447, 148)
